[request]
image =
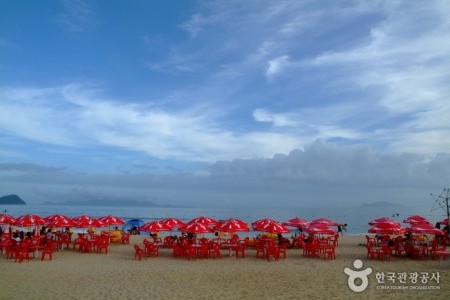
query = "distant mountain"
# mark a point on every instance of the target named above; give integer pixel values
(381, 204)
(12, 200)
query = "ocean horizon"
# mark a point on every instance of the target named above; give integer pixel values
(356, 217)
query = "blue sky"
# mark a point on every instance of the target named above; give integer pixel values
(225, 103)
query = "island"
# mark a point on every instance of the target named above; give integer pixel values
(11, 200)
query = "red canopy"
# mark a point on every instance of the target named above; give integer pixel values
(29, 220)
(86, 222)
(58, 220)
(319, 228)
(387, 230)
(296, 222)
(424, 228)
(385, 221)
(444, 222)
(204, 220)
(324, 221)
(416, 219)
(7, 219)
(111, 220)
(196, 228)
(274, 227)
(155, 226)
(232, 225)
(262, 222)
(173, 222)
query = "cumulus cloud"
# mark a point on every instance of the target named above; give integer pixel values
(276, 66)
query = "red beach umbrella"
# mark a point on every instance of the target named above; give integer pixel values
(173, 222)
(324, 221)
(296, 222)
(273, 227)
(111, 220)
(87, 221)
(425, 228)
(58, 220)
(29, 220)
(204, 220)
(7, 219)
(387, 230)
(232, 225)
(319, 228)
(155, 226)
(416, 219)
(262, 222)
(444, 222)
(196, 228)
(379, 221)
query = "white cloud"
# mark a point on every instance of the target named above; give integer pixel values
(278, 120)
(277, 66)
(77, 16)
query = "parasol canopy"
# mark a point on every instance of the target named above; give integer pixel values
(424, 228)
(29, 220)
(111, 220)
(319, 228)
(195, 228)
(296, 222)
(324, 221)
(416, 219)
(155, 226)
(388, 221)
(232, 225)
(85, 221)
(207, 221)
(274, 227)
(7, 219)
(173, 222)
(262, 222)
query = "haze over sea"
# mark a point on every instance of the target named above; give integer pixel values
(356, 217)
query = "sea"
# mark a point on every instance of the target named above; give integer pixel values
(356, 217)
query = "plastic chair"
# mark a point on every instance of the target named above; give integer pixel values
(64, 239)
(191, 252)
(48, 250)
(282, 250)
(240, 249)
(102, 244)
(273, 251)
(22, 252)
(214, 251)
(260, 249)
(178, 251)
(125, 239)
(329, 252)
(139, 252)
(151, 249)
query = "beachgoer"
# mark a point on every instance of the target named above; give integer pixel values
(49, 235)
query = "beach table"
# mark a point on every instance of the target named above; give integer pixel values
(229, 246)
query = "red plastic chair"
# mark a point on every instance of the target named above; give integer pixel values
(329, 252)
(48, 250)
(139, 252)
(191, 252)
(283, 250)
(22, 252)
(273, 251)
(125, 239)
(64, 239)
(102, 244)
(260, 249)
(151, 250)
(178, 251)
(214, 251)
(240, 249)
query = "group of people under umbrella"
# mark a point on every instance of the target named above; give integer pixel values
(412, 241)
(52, 232)
(272, 232)
(55, 225)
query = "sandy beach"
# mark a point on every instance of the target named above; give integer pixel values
(117, 275)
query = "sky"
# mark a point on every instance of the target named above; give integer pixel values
(225, 103)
